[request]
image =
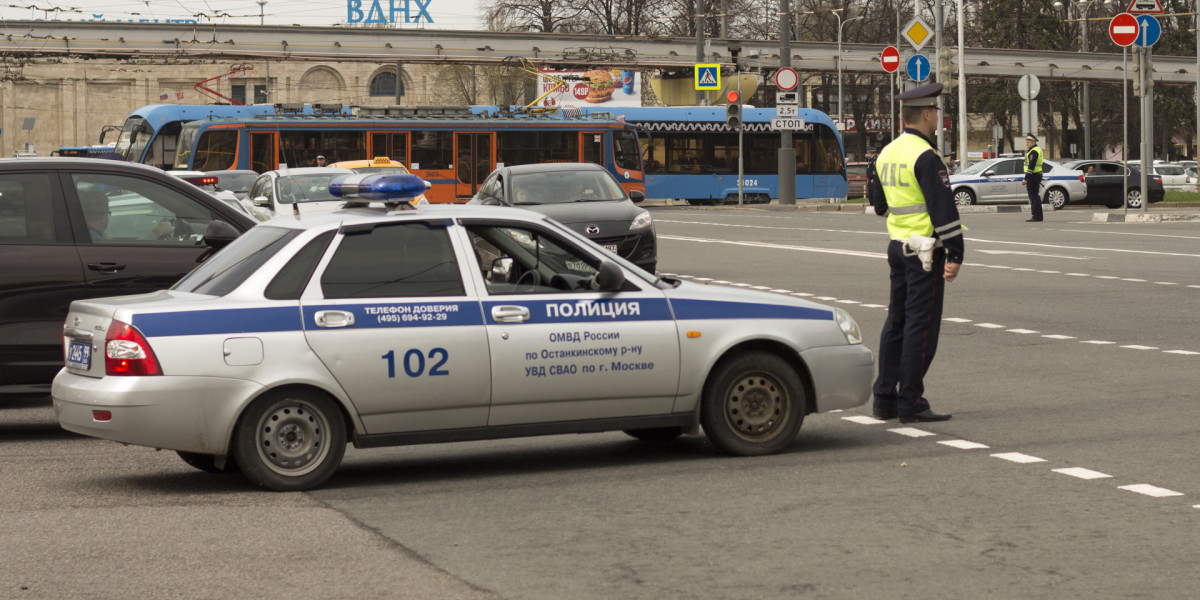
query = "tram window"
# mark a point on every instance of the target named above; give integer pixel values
(432, 149)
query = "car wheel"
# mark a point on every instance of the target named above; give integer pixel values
(206, 462)
(753, 404)
(290, 441)
(964, 197)
(657, 434)
(1056, 197)
(1134, 198)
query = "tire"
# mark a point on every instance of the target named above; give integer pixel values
(289, 441)
(964, 197)
(1057, 198)
(753, 404)
(656, 435)
(206, 462)
(1134, 197)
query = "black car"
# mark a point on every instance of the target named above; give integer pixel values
(75, 228)
(584, 197)
(1110, 183)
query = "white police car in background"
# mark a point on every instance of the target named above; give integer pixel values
(388, 327)
(998, 180)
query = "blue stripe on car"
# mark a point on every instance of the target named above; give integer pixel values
(716, 309)
(223, 321)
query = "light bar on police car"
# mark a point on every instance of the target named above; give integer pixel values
(388, 187)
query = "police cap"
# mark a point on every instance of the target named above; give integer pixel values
(926, 95)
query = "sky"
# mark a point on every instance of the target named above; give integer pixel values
(446, 14)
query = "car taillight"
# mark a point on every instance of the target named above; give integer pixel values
(126, 352)
(1158, 178)
(1081, 178)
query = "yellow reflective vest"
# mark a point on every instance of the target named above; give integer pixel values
(1034, 168)
(896, 167)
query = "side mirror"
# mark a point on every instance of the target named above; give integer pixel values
(262, 201)
(637, 196)
(490, 201)
(501, 269)
(989, 173)
(218, 234)
(610, 278)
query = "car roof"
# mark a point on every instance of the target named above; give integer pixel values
(310, 171)
(558, 166)
(73, 163)
(375, 162)
(376, 214)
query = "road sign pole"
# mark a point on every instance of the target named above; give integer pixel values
(1125, 126)
(787, 152)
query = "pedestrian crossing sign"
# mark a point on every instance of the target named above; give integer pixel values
(708, 77)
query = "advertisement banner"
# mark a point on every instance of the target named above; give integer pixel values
(597, 87)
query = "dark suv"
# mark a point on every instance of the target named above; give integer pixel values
(74, 228)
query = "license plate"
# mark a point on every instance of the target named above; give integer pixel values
(79, 355)
(611, 248)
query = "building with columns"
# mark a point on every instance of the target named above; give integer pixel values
(46, 103)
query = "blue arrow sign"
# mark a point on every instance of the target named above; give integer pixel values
(1148, 31)
(918, 67)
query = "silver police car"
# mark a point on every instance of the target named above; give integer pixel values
(384, 326)
(998, 180)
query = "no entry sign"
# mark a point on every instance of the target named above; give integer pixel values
(1123, 29)
(890, 59)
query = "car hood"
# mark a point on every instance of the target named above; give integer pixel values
(612, 218)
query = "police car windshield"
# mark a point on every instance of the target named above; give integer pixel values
(225, 271)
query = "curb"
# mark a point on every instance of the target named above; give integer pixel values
(1144, 218)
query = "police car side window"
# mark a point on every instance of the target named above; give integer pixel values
(394, 260)
(291, 280)
(515, 260)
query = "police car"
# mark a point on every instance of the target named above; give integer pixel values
(999, 180)
(394, 325)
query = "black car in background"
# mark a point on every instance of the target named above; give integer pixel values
(75, 228)
(583, 196)
(1110, 183)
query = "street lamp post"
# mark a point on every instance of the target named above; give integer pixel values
(261, 5)
(836, 13)
(1081, 9)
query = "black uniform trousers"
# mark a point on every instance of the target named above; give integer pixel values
(1033, 187)
(910, 333)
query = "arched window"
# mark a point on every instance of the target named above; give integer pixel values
(384, 84)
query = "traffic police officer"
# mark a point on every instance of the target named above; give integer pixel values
(1033, 178)
(908, 184)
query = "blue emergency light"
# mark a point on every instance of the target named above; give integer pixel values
(385, 187)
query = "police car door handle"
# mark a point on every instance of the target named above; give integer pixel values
(106, 267)
(334, 318)
(510, 314)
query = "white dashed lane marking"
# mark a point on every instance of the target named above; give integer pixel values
(1150, 490)
(1082, 473)
(1020, 458)
(1015, 330)
(1017, 457)
(912, 432)
(963, 444)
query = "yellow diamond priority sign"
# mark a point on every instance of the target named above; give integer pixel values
(917, 33)
(708, 77)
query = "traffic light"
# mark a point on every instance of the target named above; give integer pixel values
(733, 111)
(1137, 72)
(946, 58)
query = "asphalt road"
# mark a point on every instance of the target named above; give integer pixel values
(1069, 359)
